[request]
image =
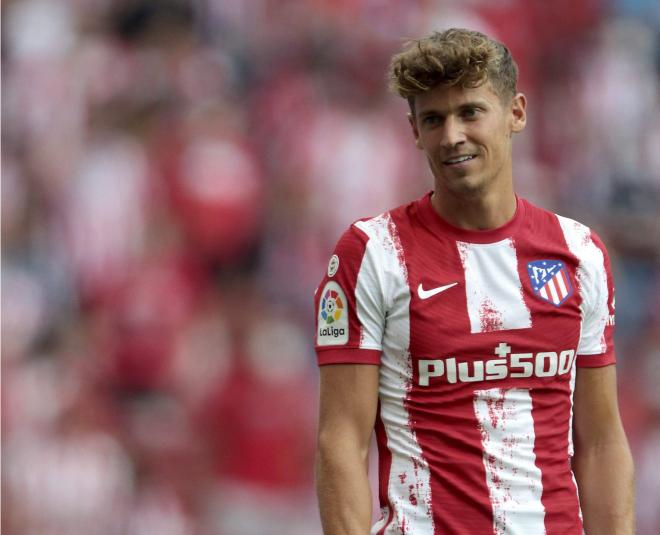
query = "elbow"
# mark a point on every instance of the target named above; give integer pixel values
(337, 452)
(598, 445)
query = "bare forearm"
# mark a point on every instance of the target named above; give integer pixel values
(605, 482)
(344, 494)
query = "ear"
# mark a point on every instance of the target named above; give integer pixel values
(413, 125)
(518, 113)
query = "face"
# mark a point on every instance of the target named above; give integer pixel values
(466, 136)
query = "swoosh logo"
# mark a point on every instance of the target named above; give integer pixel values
(425, 294)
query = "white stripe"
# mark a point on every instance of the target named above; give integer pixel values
(543, 292)
(409, 487)
(370, 308)
(492, 287)
(513, 479)
(562, 287)
(592, 285)
(553, 291)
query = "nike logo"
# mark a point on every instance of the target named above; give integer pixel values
(425, 294)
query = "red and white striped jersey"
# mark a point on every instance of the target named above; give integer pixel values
(477, 335)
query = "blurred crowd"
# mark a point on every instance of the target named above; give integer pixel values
(174, 177)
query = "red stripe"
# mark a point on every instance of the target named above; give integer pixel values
(553, 290)
(560, 330)
(563, 279)
(444, 424)
(551, 443)
(567, 281)
(560, 292)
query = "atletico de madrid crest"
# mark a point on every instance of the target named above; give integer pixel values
(550, 280)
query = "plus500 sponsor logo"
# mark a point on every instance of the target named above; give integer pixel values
(514, 365)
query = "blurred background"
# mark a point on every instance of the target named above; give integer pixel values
(174, 177)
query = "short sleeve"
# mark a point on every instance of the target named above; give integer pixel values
(349, 304)
(596, 347)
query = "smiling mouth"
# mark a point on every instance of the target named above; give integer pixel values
(457, 160)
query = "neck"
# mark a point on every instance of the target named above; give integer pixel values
(482, 211)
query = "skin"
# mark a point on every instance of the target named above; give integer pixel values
(602, 462)
(477, 195)
(347, 414)
(454, 121)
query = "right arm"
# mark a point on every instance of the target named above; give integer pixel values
(347, 413)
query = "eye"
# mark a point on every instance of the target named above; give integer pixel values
(431, 120)
(470, 113)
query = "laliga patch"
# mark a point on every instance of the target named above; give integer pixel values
(332, 320)
(550, 281)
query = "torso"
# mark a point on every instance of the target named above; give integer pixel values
(479, 346)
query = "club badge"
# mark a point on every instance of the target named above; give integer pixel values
(550, 281)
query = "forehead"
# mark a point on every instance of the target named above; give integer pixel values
(444, 100)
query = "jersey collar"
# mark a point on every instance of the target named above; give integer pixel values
(436, 224)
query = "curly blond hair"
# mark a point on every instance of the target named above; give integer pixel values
(455, 57)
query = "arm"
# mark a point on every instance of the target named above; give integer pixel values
(349, 398)
(602, 463)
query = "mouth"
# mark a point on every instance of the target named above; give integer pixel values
(457, 161)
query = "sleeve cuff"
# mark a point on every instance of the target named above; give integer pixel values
(597, 360)
(348, 355)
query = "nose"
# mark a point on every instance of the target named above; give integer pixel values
(452, 134)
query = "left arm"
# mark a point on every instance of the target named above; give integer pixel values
(602, 463)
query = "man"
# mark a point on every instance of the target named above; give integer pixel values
(473, 331)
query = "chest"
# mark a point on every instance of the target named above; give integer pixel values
(466, 299)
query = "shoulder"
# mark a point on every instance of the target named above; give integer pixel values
(539, 217)
(381, 230)
(581, 240)
(584, 242)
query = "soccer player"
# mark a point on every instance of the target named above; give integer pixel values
(473, 331)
